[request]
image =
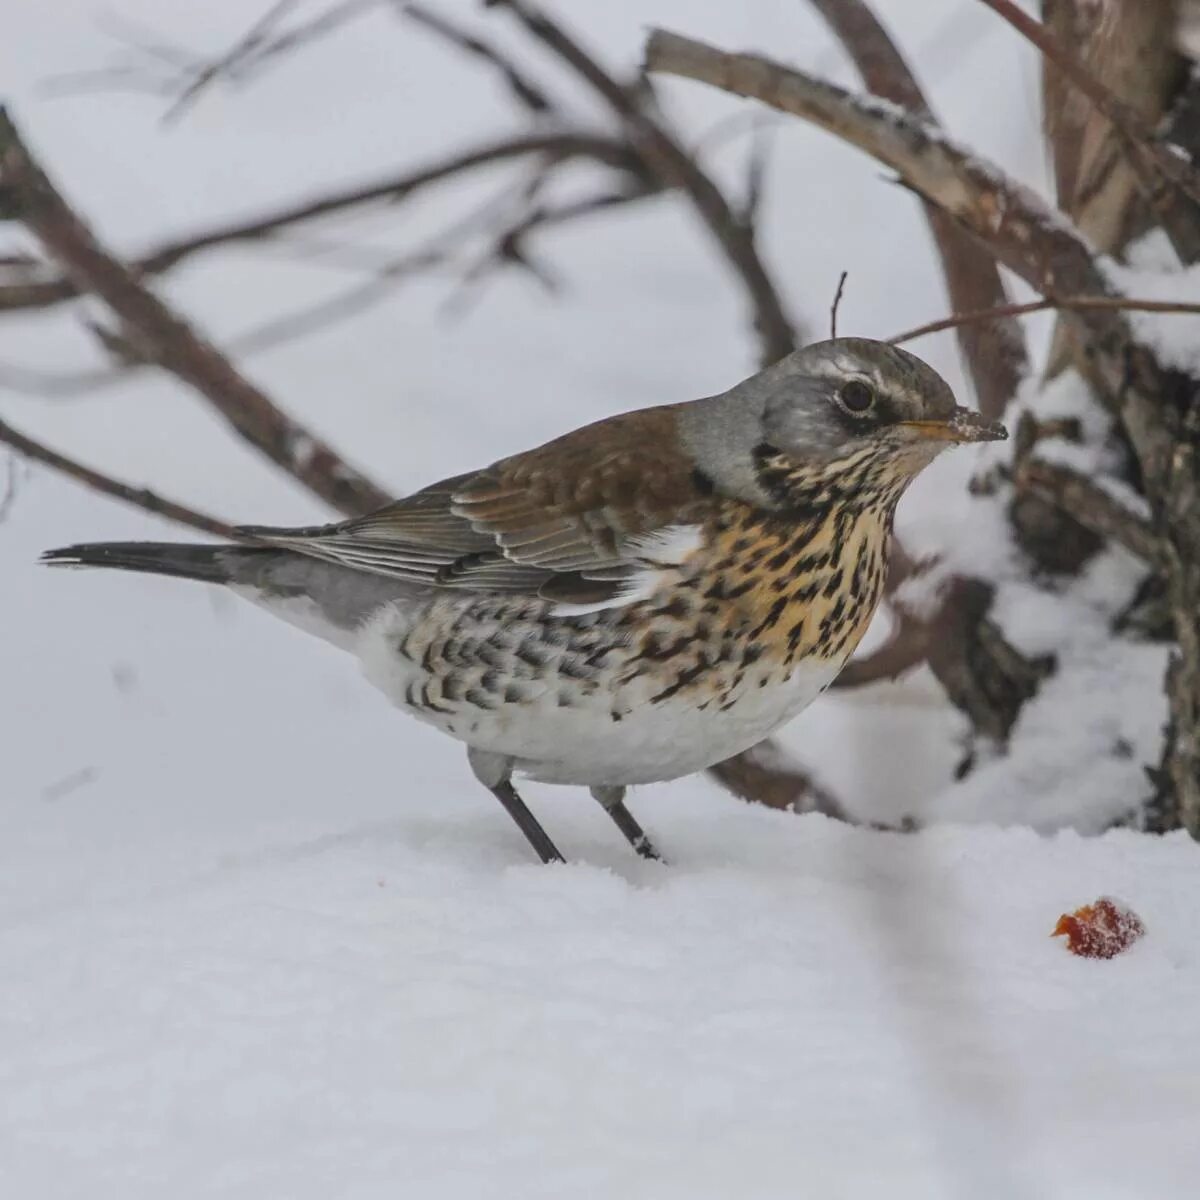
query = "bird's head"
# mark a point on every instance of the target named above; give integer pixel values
(864, 413)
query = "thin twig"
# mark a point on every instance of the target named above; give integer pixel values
(61, 788)
(351, 301)
(9, 498)
(142, 498)
(245, 46)
(557, 146)
(182, 76)
(277, 331)
(837, 299)
(664, 156)
(255, 48)
(756, 174)
(529, 94)
(1113, 303)
(309, 31)
(161, 335)
(169, 63)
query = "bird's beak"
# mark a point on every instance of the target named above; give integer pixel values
(964, 425)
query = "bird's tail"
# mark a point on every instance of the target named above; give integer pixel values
(212, 564)
(323, 598)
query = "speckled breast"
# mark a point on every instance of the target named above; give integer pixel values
(732, 642)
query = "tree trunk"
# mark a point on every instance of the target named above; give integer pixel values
(1132, 48)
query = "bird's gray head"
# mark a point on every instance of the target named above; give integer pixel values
(863, 410)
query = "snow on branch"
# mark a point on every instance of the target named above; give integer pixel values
(1091, 506)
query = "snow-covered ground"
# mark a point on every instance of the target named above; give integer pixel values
(263, 937)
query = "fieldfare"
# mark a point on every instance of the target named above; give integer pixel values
(631, 602)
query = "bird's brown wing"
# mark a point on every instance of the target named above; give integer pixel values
(566, 520)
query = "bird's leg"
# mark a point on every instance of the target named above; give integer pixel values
(612, 799)
(494, 771)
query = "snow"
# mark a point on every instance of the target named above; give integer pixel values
(407, 1005)
(1153, 272)
(1087, 771)
(265, 937)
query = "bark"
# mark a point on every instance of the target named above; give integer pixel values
(1131, 46)
(1097, 185)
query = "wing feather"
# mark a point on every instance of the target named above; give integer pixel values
(574, 520)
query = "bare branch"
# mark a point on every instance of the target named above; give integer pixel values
(1091, 506)
(151, 65)
(906, 647)
(995, 354)
(529, 94)
(162, 69)
(162, 336)
(392, 188)
(837, 300)
(966, 638)
(664, 156)
(508, 249)
(139, 497)
(9, 497)
(277, 331)
(756, 175)
(1111, 303)
(766, 774)
(256, 48)
(244, 47)
(59, 385)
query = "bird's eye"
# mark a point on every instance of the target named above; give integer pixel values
(856, 397)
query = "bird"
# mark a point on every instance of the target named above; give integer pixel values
(628, 603)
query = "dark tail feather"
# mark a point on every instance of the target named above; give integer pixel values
(209, 563)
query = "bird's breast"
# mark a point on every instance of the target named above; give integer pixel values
(735, 639)
(766, 590)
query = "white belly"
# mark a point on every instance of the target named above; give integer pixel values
(653, 742)
(612, 731)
